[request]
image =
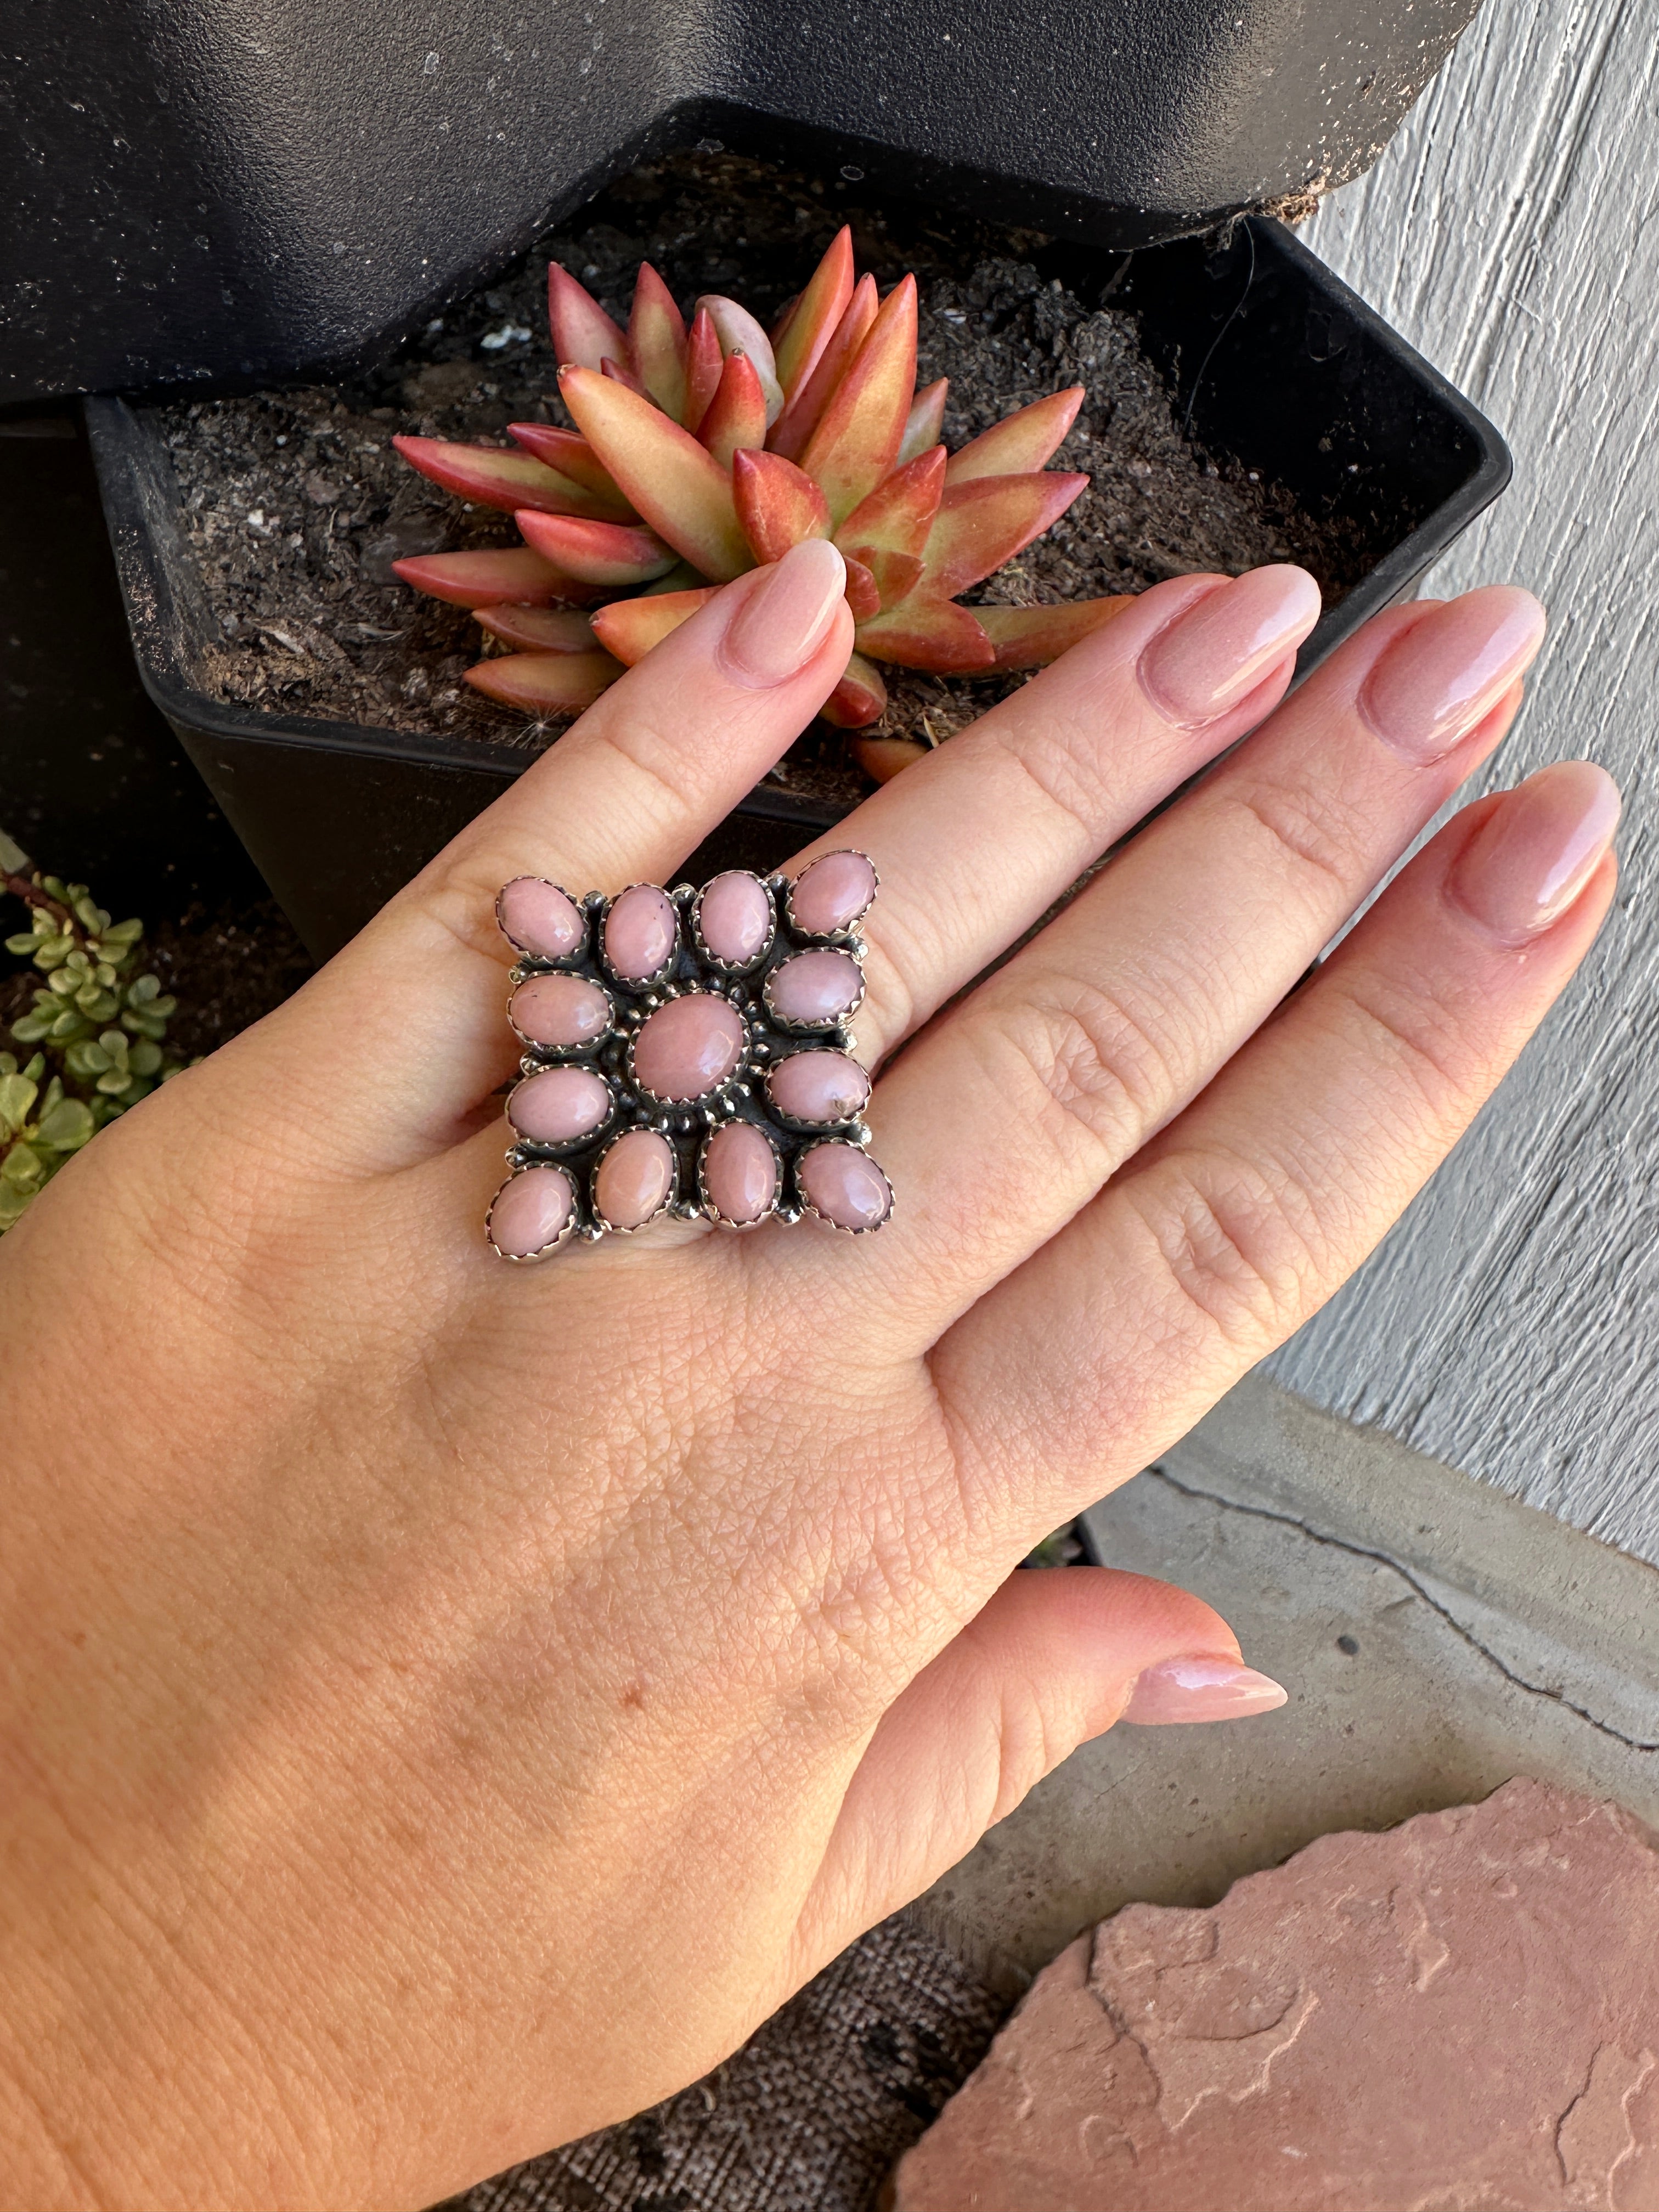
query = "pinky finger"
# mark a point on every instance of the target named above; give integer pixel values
(1054, 1658)
(1243, 1217)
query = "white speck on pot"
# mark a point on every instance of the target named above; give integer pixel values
(509, 334)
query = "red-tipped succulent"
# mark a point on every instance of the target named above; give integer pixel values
(702, 451)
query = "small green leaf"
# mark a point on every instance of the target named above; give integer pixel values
(22, 945)
(29, 1028)
(125, 933)
(17, 1097)
(145, 1058)
(22, 1168)
(142, 989)
(12, 1203)
(67, 1127)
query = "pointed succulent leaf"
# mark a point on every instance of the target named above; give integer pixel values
(493, 477)
(1021, 442)
(925, 421)
(583, 334)
(539, 629)
(895, 575)
(656, 341)
(1031, 637)
(572, 457)
(738, 332)
(792, 433)
(863, 594)
(860, 697)
(984, 522)
(737, 415)
(777, 503)
(899, 513)
(703, 363)
(546, 683)
(811, 321)
(857, 441)
(609, 553)
(629, 628)
(482, 580)
(679, 487)
(935, 634)
(620, 373)
(681, 577)
(881, 758)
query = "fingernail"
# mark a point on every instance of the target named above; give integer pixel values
(1433, 684)
(1199, 1687)
(1535, 851)
(782, 622)
(1219, 649)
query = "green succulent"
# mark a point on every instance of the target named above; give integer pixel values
(98, 1027)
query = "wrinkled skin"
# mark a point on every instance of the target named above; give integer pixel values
(447, 1705)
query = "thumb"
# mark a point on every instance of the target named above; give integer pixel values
(1059, 1656)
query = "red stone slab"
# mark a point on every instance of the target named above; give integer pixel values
(1458, 2015)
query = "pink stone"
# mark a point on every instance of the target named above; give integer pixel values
(1457, 2012)
(530, 1211)
(687, 1047)
(557, 1103)
(635, 1179)
(815, 987)
(540, 919)
(559, 1010)
(640, 931)
(819, 1086)
(739, 1173)
(832, 894)
(735, 916)
(845, 1186)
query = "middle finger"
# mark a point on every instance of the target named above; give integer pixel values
(1009, 1115)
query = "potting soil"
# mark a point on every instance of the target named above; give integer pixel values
(296, 505)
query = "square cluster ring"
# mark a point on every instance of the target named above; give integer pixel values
(687, 1053)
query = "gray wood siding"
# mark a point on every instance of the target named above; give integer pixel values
(1510, 1325)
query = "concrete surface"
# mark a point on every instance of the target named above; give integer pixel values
(1436, 1638)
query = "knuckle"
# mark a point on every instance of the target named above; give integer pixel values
(1241, 1248)
(1088, 1073)
(1309, 827)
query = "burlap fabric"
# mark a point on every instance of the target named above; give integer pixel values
(808, 2117)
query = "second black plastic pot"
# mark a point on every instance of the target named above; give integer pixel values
(1277, 365)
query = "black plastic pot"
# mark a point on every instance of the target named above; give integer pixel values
(205, 190)
(1279, 366)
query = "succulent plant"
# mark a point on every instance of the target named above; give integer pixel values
(701, 452)
(98, 1027)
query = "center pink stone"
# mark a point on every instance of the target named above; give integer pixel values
(688, 1048)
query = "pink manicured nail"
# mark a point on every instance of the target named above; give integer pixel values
(1219, 650)
(1533, 856)
(1433, 684)
(1199, 1687)
(782, 622)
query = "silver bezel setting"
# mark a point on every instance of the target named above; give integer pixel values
(544, 1251)
(686, 1124)
(847, 935)
(712, 959)
(546, 961)
(860, 1142)
(794, 1027)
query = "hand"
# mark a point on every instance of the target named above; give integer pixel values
(447, 1705)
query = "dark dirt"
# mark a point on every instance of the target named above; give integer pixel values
(297, 505)
(226, 968)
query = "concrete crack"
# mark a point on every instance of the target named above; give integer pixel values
(1384, 1559)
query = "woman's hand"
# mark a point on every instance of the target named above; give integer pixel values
(445, 1705)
